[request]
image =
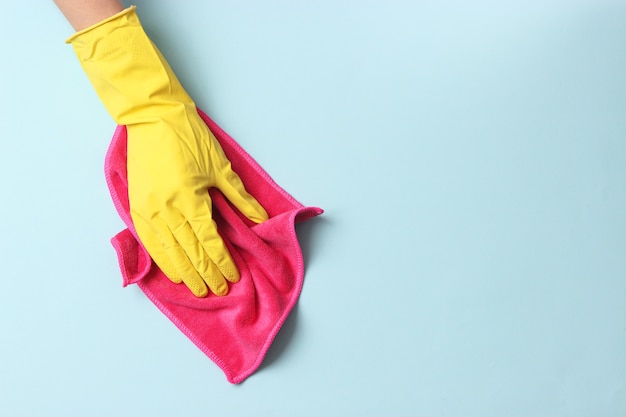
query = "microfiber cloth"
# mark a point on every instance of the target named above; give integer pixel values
(235, 330)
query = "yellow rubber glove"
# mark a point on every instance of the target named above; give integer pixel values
(173, 158)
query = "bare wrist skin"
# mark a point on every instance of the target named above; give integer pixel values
(84, 13)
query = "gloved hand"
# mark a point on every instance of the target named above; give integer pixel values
(173, 158)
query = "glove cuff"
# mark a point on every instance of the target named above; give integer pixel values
(95, 26)
(132, 78)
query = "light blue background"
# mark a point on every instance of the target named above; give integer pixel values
(471, 159)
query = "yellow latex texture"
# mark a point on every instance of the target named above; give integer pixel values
(173, 158)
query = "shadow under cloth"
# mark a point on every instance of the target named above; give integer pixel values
(235, 330)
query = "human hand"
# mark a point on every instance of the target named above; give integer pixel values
(173, 158)
(170, 170)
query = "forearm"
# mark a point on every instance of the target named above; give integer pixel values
(83, 13)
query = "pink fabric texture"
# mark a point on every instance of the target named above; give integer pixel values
(236, 330)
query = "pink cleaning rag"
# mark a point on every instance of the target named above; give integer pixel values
(236, 330)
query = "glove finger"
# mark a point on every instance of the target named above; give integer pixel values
(205, 248)
(168, 254)
(230, 184)
(202, 231)
(188, 272)
(155, 249)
